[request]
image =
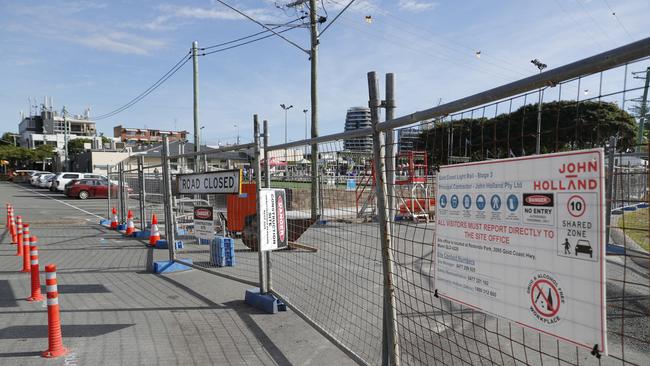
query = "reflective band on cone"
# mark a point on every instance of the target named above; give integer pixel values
(130, 227)
(26, 241)
(12, 227)
(55, 340)
(19, 235)
(155, 233)
(36, 280)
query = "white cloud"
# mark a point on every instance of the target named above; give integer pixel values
(416, 5)
(119, 42)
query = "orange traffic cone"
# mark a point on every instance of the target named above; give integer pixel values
(55, 340)
(36, 279)
(130, 227)
(27, 267)
(155, 233)
(114, 223)
(19, 235)
(8, 212)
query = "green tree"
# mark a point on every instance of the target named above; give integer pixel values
(566, 125)
(7, 137)
(76, 146)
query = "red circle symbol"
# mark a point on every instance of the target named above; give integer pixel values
(545, 298)
(576, 205)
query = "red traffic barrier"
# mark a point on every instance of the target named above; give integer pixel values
(154, 235)
(36, 279)
(54, 337)
(19, 235)
(114, 223)
(27, 267)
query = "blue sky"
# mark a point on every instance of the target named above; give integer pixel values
(100, 54)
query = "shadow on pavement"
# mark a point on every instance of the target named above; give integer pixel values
(68, 331)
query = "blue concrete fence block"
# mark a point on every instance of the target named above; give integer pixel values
(162, 244)
(265, 302)
(141, 234)
(105, 222)
(171, 266)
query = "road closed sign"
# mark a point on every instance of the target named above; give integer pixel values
(224, 181)
(524, 239)
(273, 219)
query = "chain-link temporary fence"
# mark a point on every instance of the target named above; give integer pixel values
(363, 208)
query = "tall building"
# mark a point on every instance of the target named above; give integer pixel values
(407, 138)
(358, 118)
(48, 127)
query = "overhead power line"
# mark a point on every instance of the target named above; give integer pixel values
(149, 90)
(254, 34)
(245, 43)
(618, 20)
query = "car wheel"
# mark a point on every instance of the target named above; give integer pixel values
(83, 195)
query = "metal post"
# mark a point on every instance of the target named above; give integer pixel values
(110, 191)
(390, 180)
(609, 185)
(390, 350)
(195, 62)
(142, 194)
(258, 185)
(120, 187)
(643, 111)
(66, 138)
(313, 57)
(267, 184)
(539, 123)
(167, 198)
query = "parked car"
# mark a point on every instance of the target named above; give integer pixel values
(91, 188)
(64, 178)
(33, 180)
(43, 179)
(50, 181)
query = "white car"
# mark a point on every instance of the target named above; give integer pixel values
(64, 178)
(43, 179)
(33, 180)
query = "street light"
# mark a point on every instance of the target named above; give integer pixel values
(201, 134)
(283, 106)
(305, 112)
(237, 127)
(541, 66)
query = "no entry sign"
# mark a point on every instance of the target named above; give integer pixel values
(524, 239)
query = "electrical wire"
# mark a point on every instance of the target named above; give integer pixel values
(336, 17)
(618, 20)
(262, 25)
(149, 90)
(247, 42)
(252, 35)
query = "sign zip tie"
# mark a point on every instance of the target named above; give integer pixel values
(435, 293)
(595, 351)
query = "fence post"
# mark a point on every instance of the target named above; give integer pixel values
(267, 184)
(120, 170)
(390, 349)
(258, 185)
(390, 176)
(167, 198)
(609, 185)
(142, 194)
(110, 191)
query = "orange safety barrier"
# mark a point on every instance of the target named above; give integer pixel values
(36, 279)
(27, 267)
(54, 337)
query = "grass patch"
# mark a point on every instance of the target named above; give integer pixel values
(635, 225)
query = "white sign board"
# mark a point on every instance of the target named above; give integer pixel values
(204, 222)
(273, 219)
(224, 181)
(524, 239)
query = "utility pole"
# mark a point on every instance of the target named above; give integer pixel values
(197, 140)
(286, 158)
(313, 57)
(643, 108)
(541, 66)
(66, 138)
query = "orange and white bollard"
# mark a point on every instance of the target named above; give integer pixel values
(27, 267)
(55, 340)
(130, 227)
(114, 223)
(154, 235)
(36, 279)
(19, 235)
(12, 228)
(8, 211)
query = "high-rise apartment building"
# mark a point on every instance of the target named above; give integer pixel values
(358, 118)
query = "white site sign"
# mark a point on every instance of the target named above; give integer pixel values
(204, 222)
(273, 217)
(224, 181)
(523, 239)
